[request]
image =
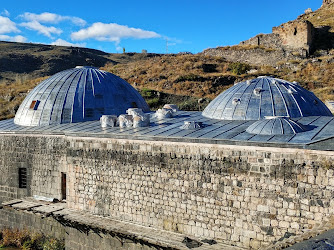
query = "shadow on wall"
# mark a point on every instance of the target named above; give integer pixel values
(324, 39)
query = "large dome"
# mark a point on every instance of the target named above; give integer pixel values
(265, 96)
(77, 95)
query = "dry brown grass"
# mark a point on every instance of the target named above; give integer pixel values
(184, 74)
(322, 17)
(246, 47)
(175, 74)
(187, 75)
(13, 93)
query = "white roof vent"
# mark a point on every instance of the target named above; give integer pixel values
(236, 101)
(108, 121)
(257, 91)
(125, 121)
(192, 125)
(164, 113)
(141, 120)
(172, 107)
(134, 111)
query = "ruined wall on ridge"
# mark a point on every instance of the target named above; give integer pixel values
(296, 34)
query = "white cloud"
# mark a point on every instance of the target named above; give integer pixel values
(41, 29)
(61, 42)
(5, 13)
(47, 17)
(111, 32)
(7, 26)
(19, 39)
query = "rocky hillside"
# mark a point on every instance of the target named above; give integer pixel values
(36, 60)
(207, 76)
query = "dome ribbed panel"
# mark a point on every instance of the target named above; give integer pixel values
(77, 95)
(262, 97)
(275, 126)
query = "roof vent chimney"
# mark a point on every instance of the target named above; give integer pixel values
(192, 125)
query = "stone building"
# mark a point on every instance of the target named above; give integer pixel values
(291, 36)
(255, 166)
(296, 35)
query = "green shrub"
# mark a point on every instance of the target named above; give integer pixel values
(53, 244)
(27, 240)
(239, 68)
(147, 93)
(190, 77)
(153, 103)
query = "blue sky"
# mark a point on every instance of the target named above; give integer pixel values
(187, 25)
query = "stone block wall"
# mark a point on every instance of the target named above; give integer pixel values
(241, 195)
(9, 193)
(296, 34)
(253, 56)
(11, 218)
(245, 196)
(74, 238)
(266, 40)
(41, 156)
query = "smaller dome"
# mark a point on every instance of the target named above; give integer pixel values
(275, 126)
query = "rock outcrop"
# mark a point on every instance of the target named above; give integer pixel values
(326, 2)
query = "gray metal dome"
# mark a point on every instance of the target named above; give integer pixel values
(265, 96)
(275, 126)
(78, 95)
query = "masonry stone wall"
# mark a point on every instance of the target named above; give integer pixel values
(11, 218)
(253, 56)
(296, 34)
(75, 238)
(41, 156)
(267, 40)
(241, 195)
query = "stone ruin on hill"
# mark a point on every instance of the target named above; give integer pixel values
(295, 36)
(293, 40)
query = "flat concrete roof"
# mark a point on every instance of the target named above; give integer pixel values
(319, 134)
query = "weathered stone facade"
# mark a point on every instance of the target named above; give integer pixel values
(41, 156)
(296, 34)
(253, 56)
(289, 41)
(242, 195)
(267, 40)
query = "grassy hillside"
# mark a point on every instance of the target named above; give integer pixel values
(322, 17)
(184, 79)
(190, 81)
(20, 59)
